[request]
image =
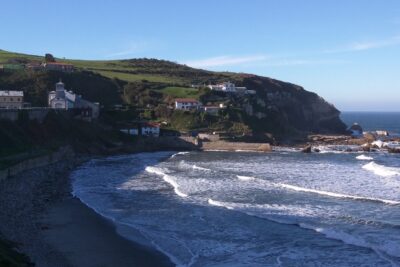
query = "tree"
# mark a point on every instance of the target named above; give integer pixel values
(49, 58)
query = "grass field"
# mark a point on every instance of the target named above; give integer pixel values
(181, 92)
(129, 77)
(135, 70)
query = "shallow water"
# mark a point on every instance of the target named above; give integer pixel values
(253, 209)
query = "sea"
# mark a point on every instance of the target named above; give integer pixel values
(283, 208)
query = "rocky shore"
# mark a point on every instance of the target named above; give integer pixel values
(38, 213)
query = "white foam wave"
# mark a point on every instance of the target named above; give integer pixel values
(319, 192)
(389, 248)
(195, 167)
(337, 149)
(338, 195)
(219, 204)
(179, 153)
(245, 178)
(185, 165)
(167, 178)
(363, 157)
(381, 170)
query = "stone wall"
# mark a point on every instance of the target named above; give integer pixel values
(31, 113)
(64, 153)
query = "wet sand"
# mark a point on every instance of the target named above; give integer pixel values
(53, 228)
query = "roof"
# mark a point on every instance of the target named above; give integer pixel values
(186, 100)
(11, 93)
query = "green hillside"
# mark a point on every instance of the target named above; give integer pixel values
(148, 88)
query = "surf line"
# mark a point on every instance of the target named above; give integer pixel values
(320, 192)
(167, 178)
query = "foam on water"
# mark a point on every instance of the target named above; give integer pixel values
(179, 153)
(185, 165)
(218, 223)
(319, 192)
(381, 170)
(245, 178)
(337, 149)
(269, 212)
(167, 178)
(218, 204)
(363, 157)
(332, 194)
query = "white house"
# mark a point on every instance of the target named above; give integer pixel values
(226, 87)
(150, 129)
(63, 99)
(11, 99)
(186, 103)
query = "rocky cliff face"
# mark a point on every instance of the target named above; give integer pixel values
(289, 108)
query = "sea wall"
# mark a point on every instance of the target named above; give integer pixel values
(37, 113)
(63, 154)
(30, 113)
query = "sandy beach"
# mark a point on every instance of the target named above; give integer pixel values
(55, 229)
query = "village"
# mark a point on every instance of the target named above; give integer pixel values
(64, 100)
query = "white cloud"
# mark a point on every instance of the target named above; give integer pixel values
(361, 46)
(302, 62)
(257, 61)
(130, 49)
(225, 61)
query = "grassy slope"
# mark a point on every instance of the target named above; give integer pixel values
(138, 69)
(181, 92)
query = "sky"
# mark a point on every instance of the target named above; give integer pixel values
(347, 51)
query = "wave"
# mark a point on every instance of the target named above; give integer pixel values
(363, 157)
(319, 192)
(338, 195)
(381, 170)
(179, 153)
(245, 178)
(219, 204)
(338, 149)
(194, 166)
(167, 178)
(388, 249)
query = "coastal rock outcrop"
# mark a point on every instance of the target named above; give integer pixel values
(307, 149)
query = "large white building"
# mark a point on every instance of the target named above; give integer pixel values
(186, 103)
(226, 87)
(63, 99)
(11, 99)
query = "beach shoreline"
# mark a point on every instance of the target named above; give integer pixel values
(39, 214)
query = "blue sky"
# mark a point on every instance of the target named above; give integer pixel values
(347, 51)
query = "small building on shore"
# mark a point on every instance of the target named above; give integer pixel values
(186, 103)
(11, 99)
(150, 129)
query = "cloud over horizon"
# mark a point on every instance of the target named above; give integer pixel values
(224, 61)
